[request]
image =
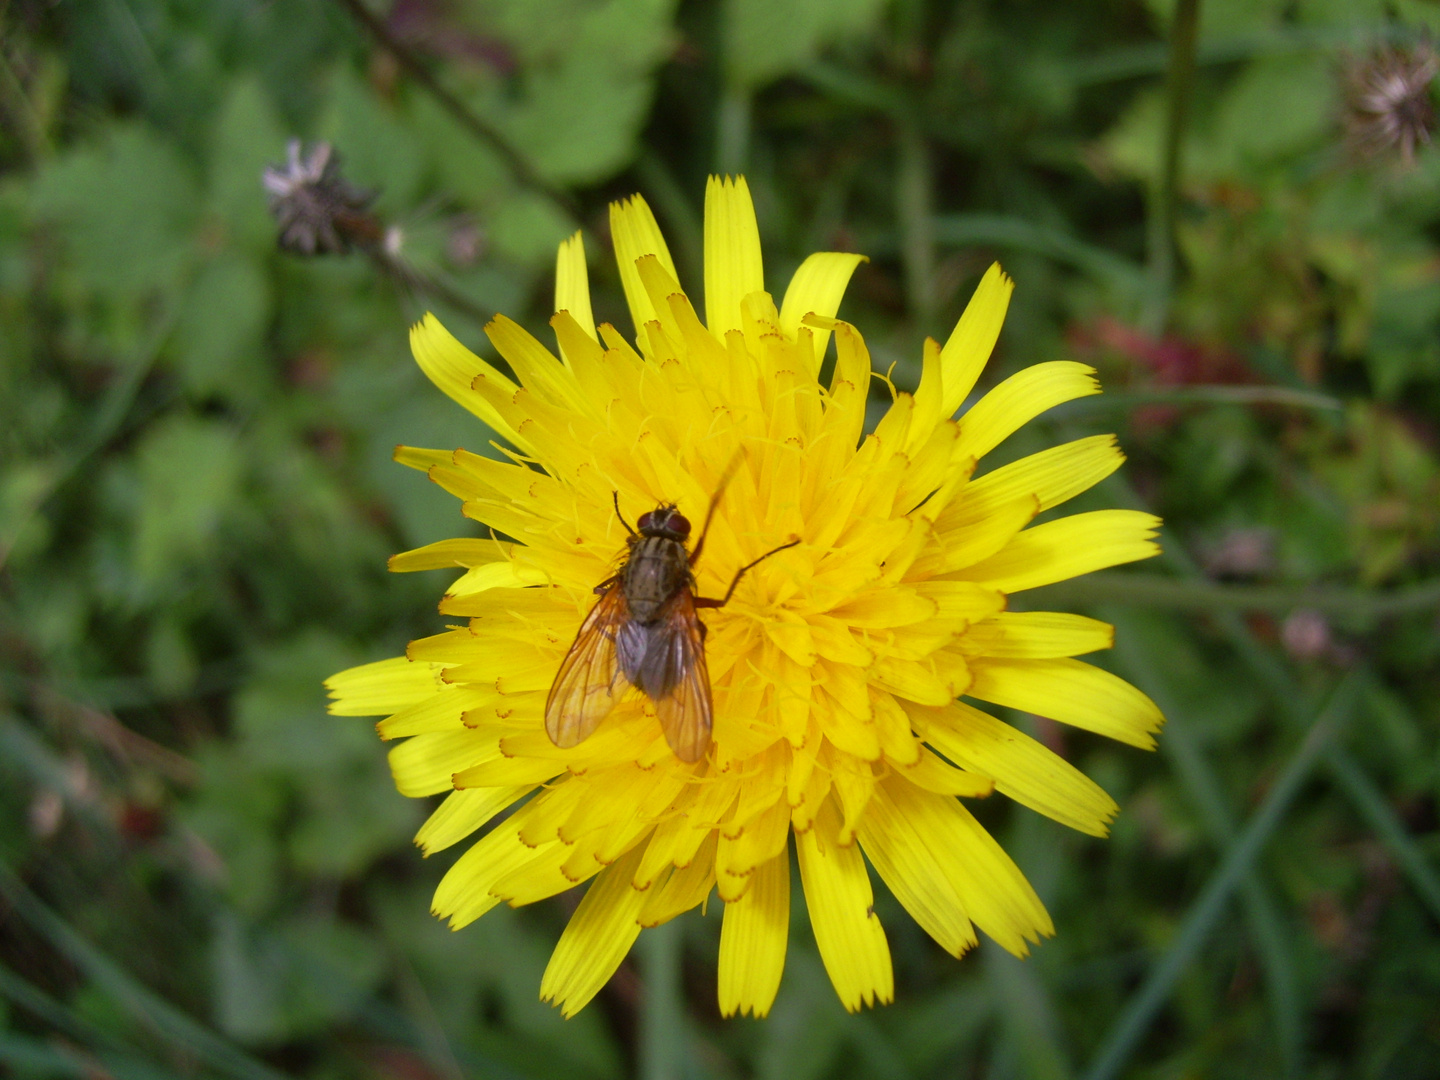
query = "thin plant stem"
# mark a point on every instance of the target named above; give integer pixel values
(1200, 594)
(914, 212)
(732, 130)
(486, 132)
(1125, 400)
(662, 1015)
(1205, 913)
(1161, 239)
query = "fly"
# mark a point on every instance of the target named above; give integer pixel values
(645, 631)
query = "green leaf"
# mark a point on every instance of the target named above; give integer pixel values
(765, 39)
(249, 135)
(126, 208)
(348, 810)
(299, 978)
(469, 170)
(587, 75)
(219, 339)
(373, 138)
(527, 228)
(190, 472)
(1277, 107)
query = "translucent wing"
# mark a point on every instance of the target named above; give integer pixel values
(675, 661)
(590, 681)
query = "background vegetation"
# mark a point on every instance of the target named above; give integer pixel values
(204, 875)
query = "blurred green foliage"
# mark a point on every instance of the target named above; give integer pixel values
(207, 875)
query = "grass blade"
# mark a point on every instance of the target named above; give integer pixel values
(1135, 1019)
(1185, 755)
(1370, 801)
(162, 1017)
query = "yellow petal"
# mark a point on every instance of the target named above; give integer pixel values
(756, 845)
(464, 893)
(1040, 635)
(1018, 400)
(496, 575)
(1073, 693)
(386, 686)
(752, 941)
(453, 368)
(962, 599)
(534, 365)
(572, 284)
(969, 346)
(503, 772)
(548, 874)
(635, 234)
(597, 938)
(415, 457)
(929, 410)
(427, 764)
(914, 680)
(991, 888)
(733, 268)
(901, 854)
(816, 289)
(956, 549)
(1067, 548)
(447, 554)
(1052, 476)
(1023, 769)
(683, 887)
(933, 773)
(462, 813)
(442, 711)
(842, 913)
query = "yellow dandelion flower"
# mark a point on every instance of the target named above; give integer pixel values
(836, 669)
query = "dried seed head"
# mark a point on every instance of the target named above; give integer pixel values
(319, 212)
(1388, 105)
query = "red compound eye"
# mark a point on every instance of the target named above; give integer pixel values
(678, 523)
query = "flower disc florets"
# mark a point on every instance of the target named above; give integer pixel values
(838, 665)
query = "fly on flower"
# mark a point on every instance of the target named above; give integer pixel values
(840, 738)
(645, 631)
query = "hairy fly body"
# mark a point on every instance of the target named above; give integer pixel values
(645, 631)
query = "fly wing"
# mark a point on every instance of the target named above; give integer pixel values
(676, 661)
(589, 682)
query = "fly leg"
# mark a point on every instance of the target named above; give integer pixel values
(725, 478)
(711, 602)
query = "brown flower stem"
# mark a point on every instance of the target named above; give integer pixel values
(485, 132)
(407, 275)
